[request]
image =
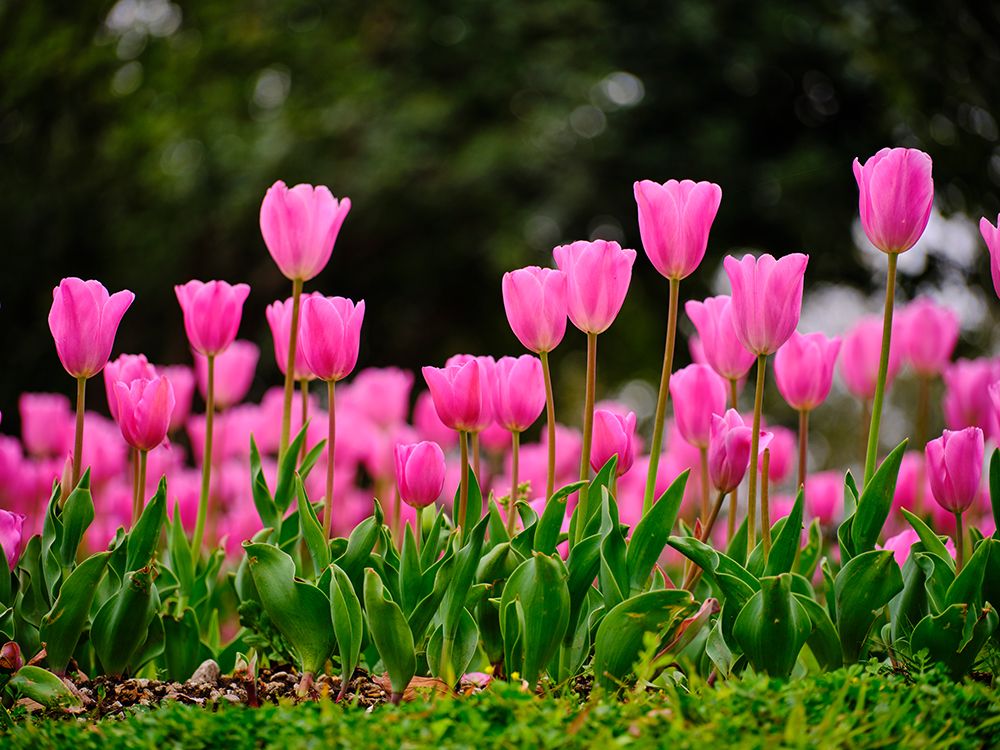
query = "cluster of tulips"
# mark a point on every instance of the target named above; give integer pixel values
(446, 546)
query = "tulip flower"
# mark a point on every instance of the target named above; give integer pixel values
(698, 394)
(331, 337)
(144, 410)
(803, 370)
(234, 372)
(767, 302)
(83, 320)
(487, 366)
(126, 368)
(901, 543)
(300, 226)
(614, 435)
(966, 396)
(535, 302)
(429, 425)
(991, 235)
(46, 424)
(383, 394)
(279, 319)
(955, 467)
(895, 195)
(824, 496)
(420, 475)
(859, 360)
(12, 537)
(722, 350)
(183, 380)
(728, 458)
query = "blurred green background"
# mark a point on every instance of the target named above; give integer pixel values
(137, 139)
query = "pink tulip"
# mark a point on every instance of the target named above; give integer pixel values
(722, 350)
(967, 400)
(83, 320)
(182, 379)
(104, 452)
(803, 369)
(535, 301)
(331, 335)
(896, 193)
(495, 438)
(234, 371)
(12, 537)
(144, 409)
(697, 393)
(279, 319)
(597, 279)
(901, 543)
(911, 473)
(729, 450)
(928, 334)
(766, 299)
(824, 496)
(614, 435)
(487, 369)
(783, 448)
(428, 423)
(460, 398)
(126, 368)
(992, 237)
(420, 473)
(300, 225)
(46, 424)
(860, 355)
(674, 221)
(212, 312)
(383, 394)
(569, 449)
(955, 467)
(518, 392)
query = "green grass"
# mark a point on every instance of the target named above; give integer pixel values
(853, 709)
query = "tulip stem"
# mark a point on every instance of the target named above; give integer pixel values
(758, 402)
(883, 368)
(331, 438)
(765, 507)
(959, 542)
(803, 446)
(206, 457)
(304, 391)
(463, 484)
(694, 572)
(420, 527)
(293, 339)
(475, 457)
(734, 403)
(81, 399)
(588, 433)
(704, 485)
(515, 440)
(923, 417)
(550, 417)
(140, 489)
(663, 395)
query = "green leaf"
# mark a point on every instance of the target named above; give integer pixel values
(737, 548)
(602, 481)
(613, 573)
(43, 687)
(181, 559)
(808, 558)
(550, 524)
(711, 561)
(182, 647)
(391, 635)
(62, 626)
(77, 515)
(823, 641)
(651, 533)
(932, 542)
(772, 627)
(262, 499)
(956, 636)
(348, 625)
(299, 610)
(862, 588)
(466, 643)
(620, 634)
(122, 624)
(583, 564)
(360, 545)
(312, 532)
(427, 608)
(466, 562)
(967, 588)
(876, 502)
(995, 489)
(145, 535)
(786, 542)
(285, 488)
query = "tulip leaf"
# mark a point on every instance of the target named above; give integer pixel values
(360, 545)
(284, 490)
(938, 577)
(43, 687)
(122, 624)
(62, 626)
(348, 624)
(808, 558)
(876, 502)
(967, 588)
(76, 516)
(651, 533)
(392, 636)
(550, 524)
(786, 541)
(932, 542)
(425, 610)
(312, 532)
(262, 499)
(711, 561)
(823, 641)
(463, 576)
(144, 537)
(309, 460)
(583, 564)
(772, 627)
(466, 643)
(995, 490)
(182, 647)
(862, 588)
(299, 610)
(955, 636)
(737, 548)
(613, 573)
(181, 559)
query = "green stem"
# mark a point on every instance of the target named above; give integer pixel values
(923, 417)
(463, 485)
(803, 445)
(662, 396)
(206, 457)
(704, 485)
(734, 403)
(515, 451)
(304, 391)
(81, 399)
(758, 402)
(420, 526)
(883, 368)
(293, 340)
(140, 489)
(694, 572)
(959, 542)
(550, 418)
(475, 456)
(331, 435)
(588, 432)
(765, 507)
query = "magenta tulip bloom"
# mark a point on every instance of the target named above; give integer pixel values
(767, 299)
(300, 225)
(46, 424)
(126, 368)
(966, 396)
(518, 392)
(182, 379)
(597, 278)
(83, 320)
(992, 237)
(331, 335)
(901, 544)
(234, 371)
(535, 301)
(383, 394)
(720, 347)
(614, 435)
(803, 369)
(674, 221)
(144, 411)
(824, 496)
(487, 372)
(420, 472)
(12, 536)
(429, 425)
(896, 193)
(955, 468)
(859, 358)
(729, 450)
(279, 319)
(697, 393)
(928, 334)
(782, 447)
(461, 394)
(212, 312)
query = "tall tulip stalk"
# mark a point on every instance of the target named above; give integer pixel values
(896, 193)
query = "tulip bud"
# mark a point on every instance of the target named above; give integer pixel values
(614, 435)
(674, 221)
(955, 467)
(720, 347)
(991, 234)
(460, 398)
(535, 302)
(697, 393)
(420, 473)
(967, 400)
(803, 369)
(895, 195)
(331, 335)
(10, 657)
(212, 312)
(46, 424)
(144, 411)
(126, 368)
(83, 320)
(928, 334)
(597, 279)
(729, 450)
(279, 319)
(12, 538)
(518, 392)
(766, 299)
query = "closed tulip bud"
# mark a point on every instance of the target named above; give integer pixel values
(803, 369)
(518, 392)
(83, 320)
(181, 378)
(383, 394)
(928, 334)
(766, 299)
(859, 358)
(487, 371)
(420, 472)
(597, 278)
(992, 237)
(955, 467)
(614, 435)
(824, 496)
(697, 393)
(895, 195)
(46, 424)
(126, 368)
(331, 335)
(10, 657)
(461, 395)
(535, 301)
(12, 536)
(144, 411)
(234, 371)
(720, 347)
(212, 312)
(300, 226)
(729, 450)
(967, 400)
(674, 221)
(279, 319)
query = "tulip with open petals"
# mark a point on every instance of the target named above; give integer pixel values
(895, 195)
(383, 394)
(46, 424)
(460, 399)
(212, 313)
(674, 221)
(234, 372)
(955, 468)
(722, 350)
(614, 435)
(126, 368)
(766, 299)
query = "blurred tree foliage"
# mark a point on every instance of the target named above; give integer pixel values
(137, 139)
